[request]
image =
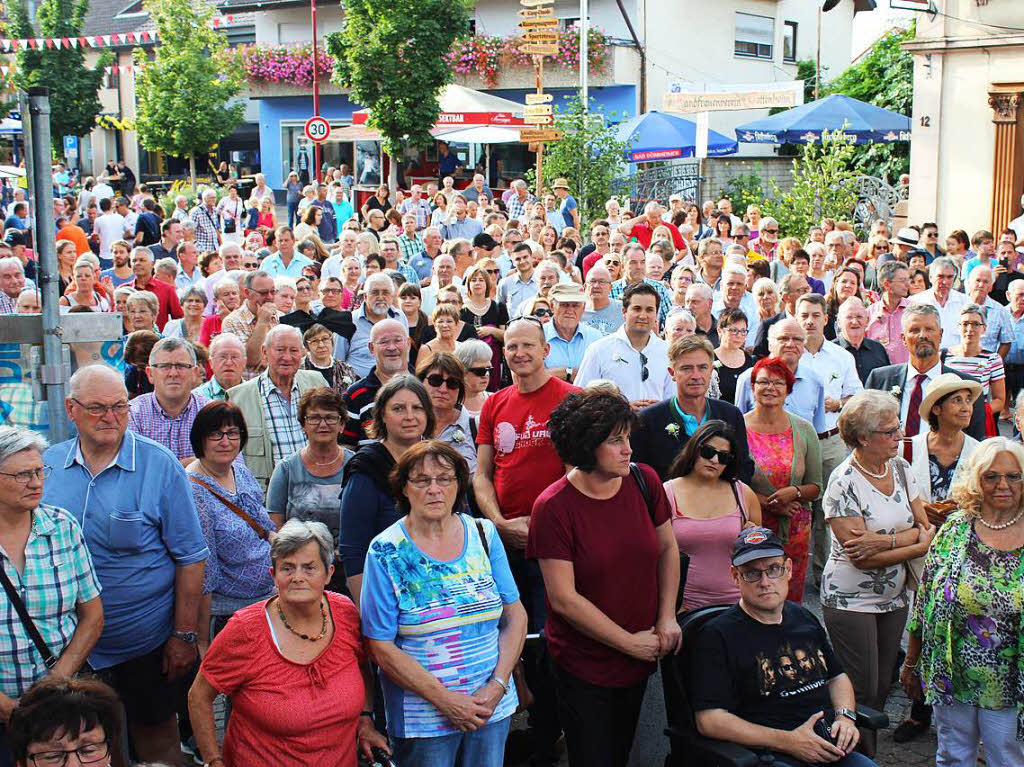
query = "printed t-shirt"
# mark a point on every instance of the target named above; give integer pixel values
(516, 426)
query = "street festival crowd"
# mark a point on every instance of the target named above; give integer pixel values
(365, 482)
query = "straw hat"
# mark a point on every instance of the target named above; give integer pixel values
(560, 183)
(947, 383)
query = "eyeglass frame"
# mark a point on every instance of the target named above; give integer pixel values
(41, 472)
(75, 751)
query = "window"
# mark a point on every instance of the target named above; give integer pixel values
(789, 41)
(755, 36)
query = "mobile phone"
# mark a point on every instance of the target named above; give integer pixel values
(823, 727)
(380, 759)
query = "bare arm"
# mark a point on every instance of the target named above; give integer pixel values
(802, 742)
(753, 505)
(90, 625)
(200, 713)
(203, 644)
(179, 656)
(626, 227)
(871, 551)
(997, 395)
(512, 531)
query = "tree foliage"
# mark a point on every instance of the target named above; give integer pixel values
(183, 95)
(823, 187)
(74, 88)
(391, 53)
(884, 76)
(589, 155)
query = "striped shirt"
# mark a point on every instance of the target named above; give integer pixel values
(282, 418)
(986, 367)
(147, 417)
(58, 576)
(443, 614)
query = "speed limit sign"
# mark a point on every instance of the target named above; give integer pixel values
(317, 129)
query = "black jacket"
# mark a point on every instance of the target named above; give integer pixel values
(885, 378)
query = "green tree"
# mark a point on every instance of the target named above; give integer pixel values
(391, 54)
(744, 190)
(74, 88)
(184, 94)
(884, 76)
(589, 155)
(823, 187)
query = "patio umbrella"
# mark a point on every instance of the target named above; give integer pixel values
(862, 123)
(657, 135)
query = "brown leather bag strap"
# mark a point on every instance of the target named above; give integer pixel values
(262, 533)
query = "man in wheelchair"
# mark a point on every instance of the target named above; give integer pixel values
(775, 685)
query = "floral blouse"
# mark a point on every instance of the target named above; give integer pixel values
(968, 616)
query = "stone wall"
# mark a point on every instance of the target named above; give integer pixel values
(718, 171)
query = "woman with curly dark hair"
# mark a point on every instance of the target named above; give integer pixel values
(610, 562)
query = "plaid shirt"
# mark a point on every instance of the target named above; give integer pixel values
(212, 390)
(282, 417)
(517, 208)
(664, 297)
(421, 209)
(409, 246)
(242, 322)
(148, 418)
(7, 304)
(59, 575)
(207, 225)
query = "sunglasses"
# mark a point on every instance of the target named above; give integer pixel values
(542, 312)
(480, 371)
(644, 372)
(707, 453)
(436, 380)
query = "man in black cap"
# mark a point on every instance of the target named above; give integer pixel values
(763, 672)
(485, 246)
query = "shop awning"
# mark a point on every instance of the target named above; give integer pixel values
(462, 107)
(481, 135)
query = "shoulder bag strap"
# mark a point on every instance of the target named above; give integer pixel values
(739, 502)
(903, 477)
(26, 620)
(256, 528)
(641, 481)
(483, 539)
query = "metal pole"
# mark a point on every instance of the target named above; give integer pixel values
(817, 60)
(316, 95)
(584, 54)
(51, 374)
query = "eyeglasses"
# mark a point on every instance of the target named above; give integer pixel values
(993, 479)
(613, 263)
(443, 480)
(890, 433)
(24, 477)
(754, 575)
(330, 291)
(233, 435)
(250, 265)
(770, 383)
(87, 754)
(542, 312)
(436, 380)
(735, 331)
(644, 372)
(172, 366)
(480, 371)
(97, 410)
(264, 293)
(707, 453)
(493, 271)
(599, 282)
(968, 324)
(771, 231)
(327, 420)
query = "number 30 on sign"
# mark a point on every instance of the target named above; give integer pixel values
(317, 129)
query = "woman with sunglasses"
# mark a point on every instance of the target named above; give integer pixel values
(445, 379)
(613, 263)
(710, 506)
(538, 307)
(475, 356)
(487, 315)
(787, 454)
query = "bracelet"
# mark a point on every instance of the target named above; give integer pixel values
(912, 666)
(799, 494)
(504, 685)
(893, 541)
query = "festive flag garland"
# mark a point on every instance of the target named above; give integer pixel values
(92, 41)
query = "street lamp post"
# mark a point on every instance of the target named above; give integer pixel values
(316, 95)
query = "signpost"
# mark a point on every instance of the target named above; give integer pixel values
(538, 22)
(317, 129)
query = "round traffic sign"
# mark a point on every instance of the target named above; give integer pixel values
(317, 129)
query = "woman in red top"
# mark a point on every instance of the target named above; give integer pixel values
(293, 666)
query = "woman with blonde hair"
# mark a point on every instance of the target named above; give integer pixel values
(445, 319)
(85, 292)
(367, 244)
(785, 250)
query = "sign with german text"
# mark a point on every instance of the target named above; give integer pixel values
(691, 103)
(539, 120)
(537, 109)
(539, 23)
(541, 36)
(539, 98)
(538, 49)
(534, 136)
(536, 13)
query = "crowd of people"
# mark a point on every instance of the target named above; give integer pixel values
(366, 483)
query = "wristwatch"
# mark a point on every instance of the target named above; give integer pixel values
(568, 374)
(189, 637)
(848, 713)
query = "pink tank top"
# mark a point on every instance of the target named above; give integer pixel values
(709, 544)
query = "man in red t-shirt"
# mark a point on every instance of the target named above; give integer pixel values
(142, 265)
(642, 227)
(515, 463)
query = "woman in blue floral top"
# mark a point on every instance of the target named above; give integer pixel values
(966, 648)
(443, 618)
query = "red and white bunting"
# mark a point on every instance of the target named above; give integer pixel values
(97, 41)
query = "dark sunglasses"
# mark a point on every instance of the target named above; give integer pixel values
(436, 379)
(542, 312)
(480, 371)
(707, 453)
(644, 372)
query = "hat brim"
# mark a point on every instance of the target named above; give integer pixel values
(754, 554)
(933, 396)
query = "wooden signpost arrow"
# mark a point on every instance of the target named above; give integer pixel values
(539, 39)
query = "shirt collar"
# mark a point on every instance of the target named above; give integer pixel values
(125, 457)
(42, 522)
(267, 386)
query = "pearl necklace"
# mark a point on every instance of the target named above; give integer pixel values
(1005, 525)
(323, 463)
(859, 465)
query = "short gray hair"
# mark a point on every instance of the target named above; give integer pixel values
(942, 262)
(142, 250)
(172, 344)
(703, 288)
(168, 265)
(254, 275)
(472, 351)
(15, 439)
(918, 310)
(864, 412)
(228, 338)
(145, 297)
(762, 283)
(280, 329)
(379, 277)
(887, 271)
(9, 261)
(981, 311)
(296, 533)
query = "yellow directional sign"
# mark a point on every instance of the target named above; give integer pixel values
(536, 13)
(539, 98)
(538, 49)
(539, 23)
(541, 36)
(535, 135)
(539, 120)
(537, 109)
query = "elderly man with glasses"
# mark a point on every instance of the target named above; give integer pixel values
(254, 318)
(768, 239)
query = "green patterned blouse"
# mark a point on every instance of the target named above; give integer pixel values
(968, 616)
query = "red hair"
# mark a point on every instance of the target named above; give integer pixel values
(774, 366)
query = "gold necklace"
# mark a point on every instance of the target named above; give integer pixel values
(299, 634)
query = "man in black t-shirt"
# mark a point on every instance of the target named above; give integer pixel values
(763, 672)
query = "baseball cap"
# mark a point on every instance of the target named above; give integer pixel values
(567, 292)
(755, 543)
(485, 241)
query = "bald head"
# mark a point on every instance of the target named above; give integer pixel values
(94, 378)
(389, 345)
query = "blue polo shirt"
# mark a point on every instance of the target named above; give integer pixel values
(275, 267)
(422, 264)
(807, 399)
(569, 354)
(140, 525)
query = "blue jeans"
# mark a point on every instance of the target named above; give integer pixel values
(293, 213)
(961, 728)
(481, 748)
(851, 760)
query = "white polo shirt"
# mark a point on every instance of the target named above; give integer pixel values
(837, 371)
(614, 358)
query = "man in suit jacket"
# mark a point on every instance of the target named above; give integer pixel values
(922, 333)
(276, 392)
(664, 428)
(791, 287)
